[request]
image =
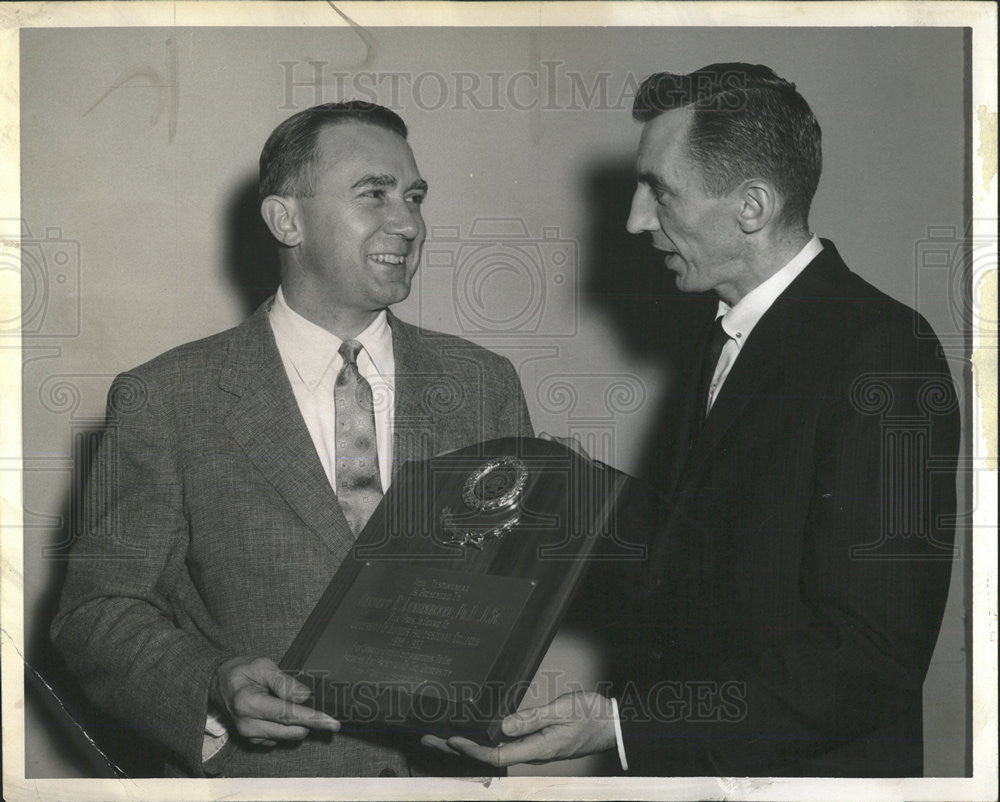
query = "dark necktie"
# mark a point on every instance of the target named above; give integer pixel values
(359, 488)
(710, 359)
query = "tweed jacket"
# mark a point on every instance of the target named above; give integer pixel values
(213, 531)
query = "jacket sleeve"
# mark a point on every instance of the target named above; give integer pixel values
(116, 626)
(875, 566)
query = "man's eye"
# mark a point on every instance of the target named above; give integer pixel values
(416, 199)
(377, 194)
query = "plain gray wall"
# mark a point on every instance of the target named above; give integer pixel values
(139, 151)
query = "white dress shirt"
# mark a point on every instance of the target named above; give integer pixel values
(738, 321)
(310, 355)
(312, 362)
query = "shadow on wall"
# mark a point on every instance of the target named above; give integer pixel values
(252, 271)
(91, 742)
(625, 280)
(251, 251)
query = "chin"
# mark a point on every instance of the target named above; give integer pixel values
(394, 294)
(689, 283)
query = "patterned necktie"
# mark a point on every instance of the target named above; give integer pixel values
(359, 488)
(710, 360)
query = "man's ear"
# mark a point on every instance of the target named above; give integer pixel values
(282, 219)
(758, 205)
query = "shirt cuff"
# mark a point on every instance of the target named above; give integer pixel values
(618, 735)
(216, 736)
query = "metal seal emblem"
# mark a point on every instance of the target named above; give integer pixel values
(495, 486)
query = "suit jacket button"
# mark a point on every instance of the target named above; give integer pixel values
(387, 773)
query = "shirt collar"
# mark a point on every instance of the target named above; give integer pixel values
(738, 321)
(311, 349)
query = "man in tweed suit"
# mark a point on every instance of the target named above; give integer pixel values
(215, 525)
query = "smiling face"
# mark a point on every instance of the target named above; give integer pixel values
(357, 240)
(699, 234)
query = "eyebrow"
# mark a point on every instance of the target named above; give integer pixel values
(387, 180)
(652, 180)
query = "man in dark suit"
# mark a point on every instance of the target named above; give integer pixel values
(236, 471)
(785, 619)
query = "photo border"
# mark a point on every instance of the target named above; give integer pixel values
(981, 17)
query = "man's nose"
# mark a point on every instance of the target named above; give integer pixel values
(641, 217)
(404, 219)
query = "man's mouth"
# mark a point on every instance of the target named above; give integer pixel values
(662, 248)
(388, 258)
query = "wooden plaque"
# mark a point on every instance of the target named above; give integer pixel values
(440, 616)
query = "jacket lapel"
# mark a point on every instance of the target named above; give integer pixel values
(684, 424)
(739, 389)
(761, 360)
(418, 366)
(266, 422)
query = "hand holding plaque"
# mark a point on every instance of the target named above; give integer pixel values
(572, 725)
(439, 618)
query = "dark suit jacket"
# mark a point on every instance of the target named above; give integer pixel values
(796, 583)
(213, 530)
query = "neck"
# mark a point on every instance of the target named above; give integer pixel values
(344, 324)
(763, 262)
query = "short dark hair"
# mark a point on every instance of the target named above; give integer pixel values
(747, 122)
(289, 155)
